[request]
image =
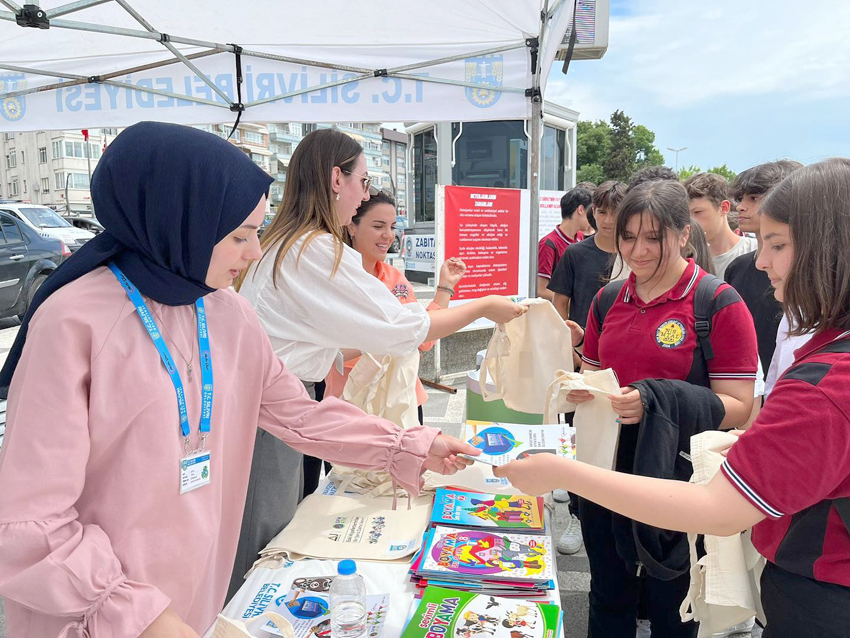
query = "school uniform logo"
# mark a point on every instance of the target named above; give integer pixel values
(670, 334)
(400, 291)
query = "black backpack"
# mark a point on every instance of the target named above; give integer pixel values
(706, 305)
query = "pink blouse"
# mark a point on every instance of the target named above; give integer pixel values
(94, 534)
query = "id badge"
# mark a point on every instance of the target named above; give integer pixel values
(194, 471)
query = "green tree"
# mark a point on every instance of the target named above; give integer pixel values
(594, 143)
(645, 152)
(686, 172)
(724, 170)
(620, 163)
(590, 173)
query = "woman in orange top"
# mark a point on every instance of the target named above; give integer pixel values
(371, 233)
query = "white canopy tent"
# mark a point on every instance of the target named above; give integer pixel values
(106, 63)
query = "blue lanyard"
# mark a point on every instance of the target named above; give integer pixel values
(168, 362)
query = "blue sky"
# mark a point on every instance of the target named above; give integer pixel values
(737, 82)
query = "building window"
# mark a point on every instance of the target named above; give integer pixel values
(8, 136)
(491, 154)
(22, 159)
(42, 155)
(45, 184)
(57, 149)
(253, 138)
(11, 160)
(109, 131)
(25, 187)
(425, 172)
(79, 181)
(13, 188)
(94, 150)
(552, 162)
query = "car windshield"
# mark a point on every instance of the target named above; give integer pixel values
(43, 217)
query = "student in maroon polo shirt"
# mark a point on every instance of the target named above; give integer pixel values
(649, 333)
(574, 207)
(789, 474)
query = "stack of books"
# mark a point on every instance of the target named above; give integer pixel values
(489, 544)
(451, 613)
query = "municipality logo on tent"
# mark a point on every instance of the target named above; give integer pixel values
(13, 108)
(486, 70)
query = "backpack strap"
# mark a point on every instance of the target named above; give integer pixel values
(706, 305)
(605, 300)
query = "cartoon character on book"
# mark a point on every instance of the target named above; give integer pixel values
(522, 617)
(517, 510)
(503, 554)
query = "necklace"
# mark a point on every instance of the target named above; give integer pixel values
(189, 362)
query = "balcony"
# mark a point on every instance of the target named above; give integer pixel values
(279, 136)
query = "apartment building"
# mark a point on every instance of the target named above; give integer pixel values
(51, 167)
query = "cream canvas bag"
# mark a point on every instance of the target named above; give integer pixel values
(229, 628)
(386, 387)
(523, 356)
(725, 583)
(339, 527)
(597, 430)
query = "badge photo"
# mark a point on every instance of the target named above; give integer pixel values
(670, 333)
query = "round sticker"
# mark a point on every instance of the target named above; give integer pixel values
(670, 334)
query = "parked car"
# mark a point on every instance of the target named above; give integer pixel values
(86, 223)
(26, 259)
(400, 227)
(48, 223)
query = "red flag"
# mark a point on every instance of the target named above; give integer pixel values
(85, 132)
(104, 145)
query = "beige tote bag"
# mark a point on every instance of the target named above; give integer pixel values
(725, 583)
(229, 628)
(339, 527)
(386, 387)
(524, 355)
(597, 430)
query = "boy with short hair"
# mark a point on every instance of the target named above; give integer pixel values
(586, 265)
(752, 284)
(550, 249)
(710, 203)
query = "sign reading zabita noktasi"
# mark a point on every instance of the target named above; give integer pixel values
(329, 61)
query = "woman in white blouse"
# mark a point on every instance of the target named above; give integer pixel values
(314, 298)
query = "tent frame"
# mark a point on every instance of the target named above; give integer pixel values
(32, 16)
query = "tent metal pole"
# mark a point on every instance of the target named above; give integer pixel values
(455, 58)
(310, 89)
(71, 7)
(147, 25)
(536, 135)
(85, 79)
(324, 65)
(11, 5)
(130, 33)
(123, 85)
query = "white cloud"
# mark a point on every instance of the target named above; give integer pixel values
(674, 54)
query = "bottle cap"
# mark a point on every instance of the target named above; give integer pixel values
(346, 567)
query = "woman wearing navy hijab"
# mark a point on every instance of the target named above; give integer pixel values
(135, 388)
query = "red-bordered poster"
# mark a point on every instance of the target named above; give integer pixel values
(482, 227)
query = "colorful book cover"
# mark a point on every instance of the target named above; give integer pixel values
(475, 509)
(505, 442)
(448, 613)
(484, 554)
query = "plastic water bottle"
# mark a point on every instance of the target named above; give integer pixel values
(348, 602)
